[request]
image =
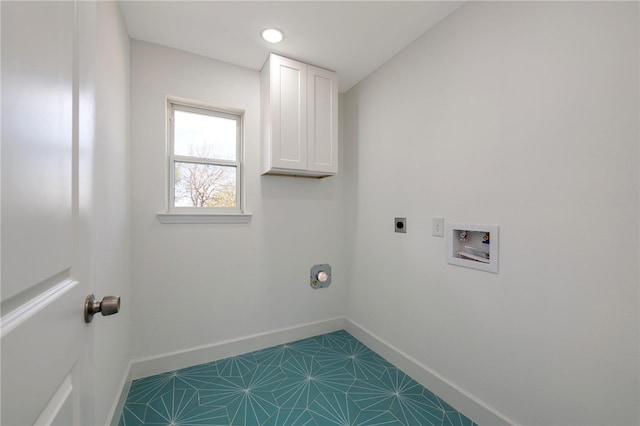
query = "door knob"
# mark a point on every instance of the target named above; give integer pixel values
(108, 306)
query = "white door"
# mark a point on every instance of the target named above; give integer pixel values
(45, 343)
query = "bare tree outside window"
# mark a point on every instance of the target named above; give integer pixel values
(200, 185)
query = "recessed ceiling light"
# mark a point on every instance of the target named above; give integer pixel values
(272, 35)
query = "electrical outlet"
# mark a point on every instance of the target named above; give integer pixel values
(438, 227)
(400, 224)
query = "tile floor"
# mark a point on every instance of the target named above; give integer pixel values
(331, 379)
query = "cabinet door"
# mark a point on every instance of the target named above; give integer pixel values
(322, 92)
(289, 114)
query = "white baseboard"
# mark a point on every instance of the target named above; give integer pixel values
(143, 367)
(455, 396)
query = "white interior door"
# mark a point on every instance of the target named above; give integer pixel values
(45, 344)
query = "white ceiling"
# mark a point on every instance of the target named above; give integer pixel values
(350, 37)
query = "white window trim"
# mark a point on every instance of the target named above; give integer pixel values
(172, 218)
(176, 215)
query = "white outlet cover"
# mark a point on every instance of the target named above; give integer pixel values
(438, 227)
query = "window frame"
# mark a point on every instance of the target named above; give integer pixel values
(180, 214)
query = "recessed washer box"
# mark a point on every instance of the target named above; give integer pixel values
(472, 246)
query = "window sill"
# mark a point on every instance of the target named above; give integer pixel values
(171, 218)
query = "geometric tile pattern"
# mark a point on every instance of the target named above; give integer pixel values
(331, 379)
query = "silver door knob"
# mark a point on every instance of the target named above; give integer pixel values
(108, 306)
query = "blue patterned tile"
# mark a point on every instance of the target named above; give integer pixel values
(371, 395)
(334, 409)
(380, 394)
(337, 339)
(332, 356)
(416, 410)
(291, 417)
(357, 360)
(306, 347)
(195, 377)
(222, 391)
(333, 380)
(144, 390)
(252, 408)
(296, 391)
(454, 418)
(236, 366)
(264, 378)
(276, 355)
(399, 383)
(133, 414)
(445, 406)
(181, 406)
(325, 380)
(371, 418)
(301, 367)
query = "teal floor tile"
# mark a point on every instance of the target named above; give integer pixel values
(291, 417)
(332, 379)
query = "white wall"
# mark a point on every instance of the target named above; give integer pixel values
(524, 115)
(202, 284)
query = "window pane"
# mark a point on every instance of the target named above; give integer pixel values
(206, 136)
(204, 185)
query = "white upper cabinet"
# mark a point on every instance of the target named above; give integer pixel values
(299, 119)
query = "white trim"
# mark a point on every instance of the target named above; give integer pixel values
(55, 404)
(454, 395)
(148, 366)
(195, 103)
(18, 316)
(179, 104)
(170, 218)
(113, 419)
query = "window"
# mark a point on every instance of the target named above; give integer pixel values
(204, 160)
